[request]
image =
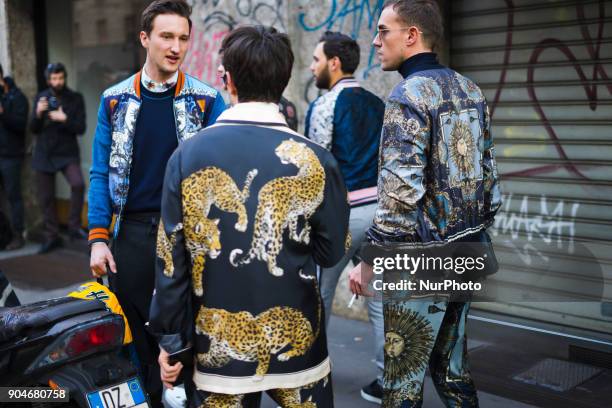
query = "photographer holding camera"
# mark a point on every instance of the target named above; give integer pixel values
(58, 118)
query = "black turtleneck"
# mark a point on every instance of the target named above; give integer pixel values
(419, 62)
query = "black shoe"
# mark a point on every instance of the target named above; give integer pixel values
(50, 245)
(372, 392)
(78, 234)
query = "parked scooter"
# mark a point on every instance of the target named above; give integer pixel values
(72, 344)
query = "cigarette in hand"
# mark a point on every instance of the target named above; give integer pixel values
(350, 304)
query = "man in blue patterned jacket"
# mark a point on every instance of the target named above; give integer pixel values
(437, 184)
(141, 121)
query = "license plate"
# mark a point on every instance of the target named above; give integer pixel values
(125, 395)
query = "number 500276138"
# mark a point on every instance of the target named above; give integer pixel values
(33, 394)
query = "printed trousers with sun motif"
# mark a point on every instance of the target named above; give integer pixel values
(316, 395)
(421, 333)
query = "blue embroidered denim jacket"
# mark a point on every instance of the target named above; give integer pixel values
(196, 105)
(438, 178)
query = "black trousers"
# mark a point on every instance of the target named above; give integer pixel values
(10, 178)
(134, 253)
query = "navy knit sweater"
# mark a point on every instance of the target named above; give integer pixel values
(154, 142)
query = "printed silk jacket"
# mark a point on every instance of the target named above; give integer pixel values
(196, 105)
(249, 208)
(437, 173)
(347, 121)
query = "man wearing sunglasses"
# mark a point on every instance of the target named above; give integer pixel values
(437, 185)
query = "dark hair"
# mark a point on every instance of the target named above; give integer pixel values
(1, 71)
(259, 60)
(425, 14)
(55, 68)
(342, 46)
(178, 7)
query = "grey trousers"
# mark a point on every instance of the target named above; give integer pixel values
(360, 220)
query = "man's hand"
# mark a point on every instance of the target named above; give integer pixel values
(169, 373)
(58, 115)
(41, 107)
(359, 278)
(1, 109)
(100, 257)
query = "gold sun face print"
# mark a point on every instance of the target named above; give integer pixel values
(462, 148)
(394, 344)
(408, 343)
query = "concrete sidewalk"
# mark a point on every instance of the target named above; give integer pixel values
(38, 277)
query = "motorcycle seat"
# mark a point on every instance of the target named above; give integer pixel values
(16, 321)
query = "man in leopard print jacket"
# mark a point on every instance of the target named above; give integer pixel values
(246, 211)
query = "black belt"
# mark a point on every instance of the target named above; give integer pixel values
(143, 217)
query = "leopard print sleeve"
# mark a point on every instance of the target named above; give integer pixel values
(330, 221)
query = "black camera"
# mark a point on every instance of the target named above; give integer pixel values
(53, 103)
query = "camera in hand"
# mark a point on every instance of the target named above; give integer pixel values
(53, 103)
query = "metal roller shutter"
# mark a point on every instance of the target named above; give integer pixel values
(546, 70)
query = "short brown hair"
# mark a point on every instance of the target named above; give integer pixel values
(178, 7)
(425, 14)
(260, 61)
(342, 46)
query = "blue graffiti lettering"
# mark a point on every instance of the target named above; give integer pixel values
(358, 12)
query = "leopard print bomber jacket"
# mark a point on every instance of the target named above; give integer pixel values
(249, 209)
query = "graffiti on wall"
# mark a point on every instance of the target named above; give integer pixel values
(202, 59)
(304, 21)
(357, 18)
(230, 13)
(590, 85)
(527, 232)
(551, 225)
(351, 17)
(213, 19)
